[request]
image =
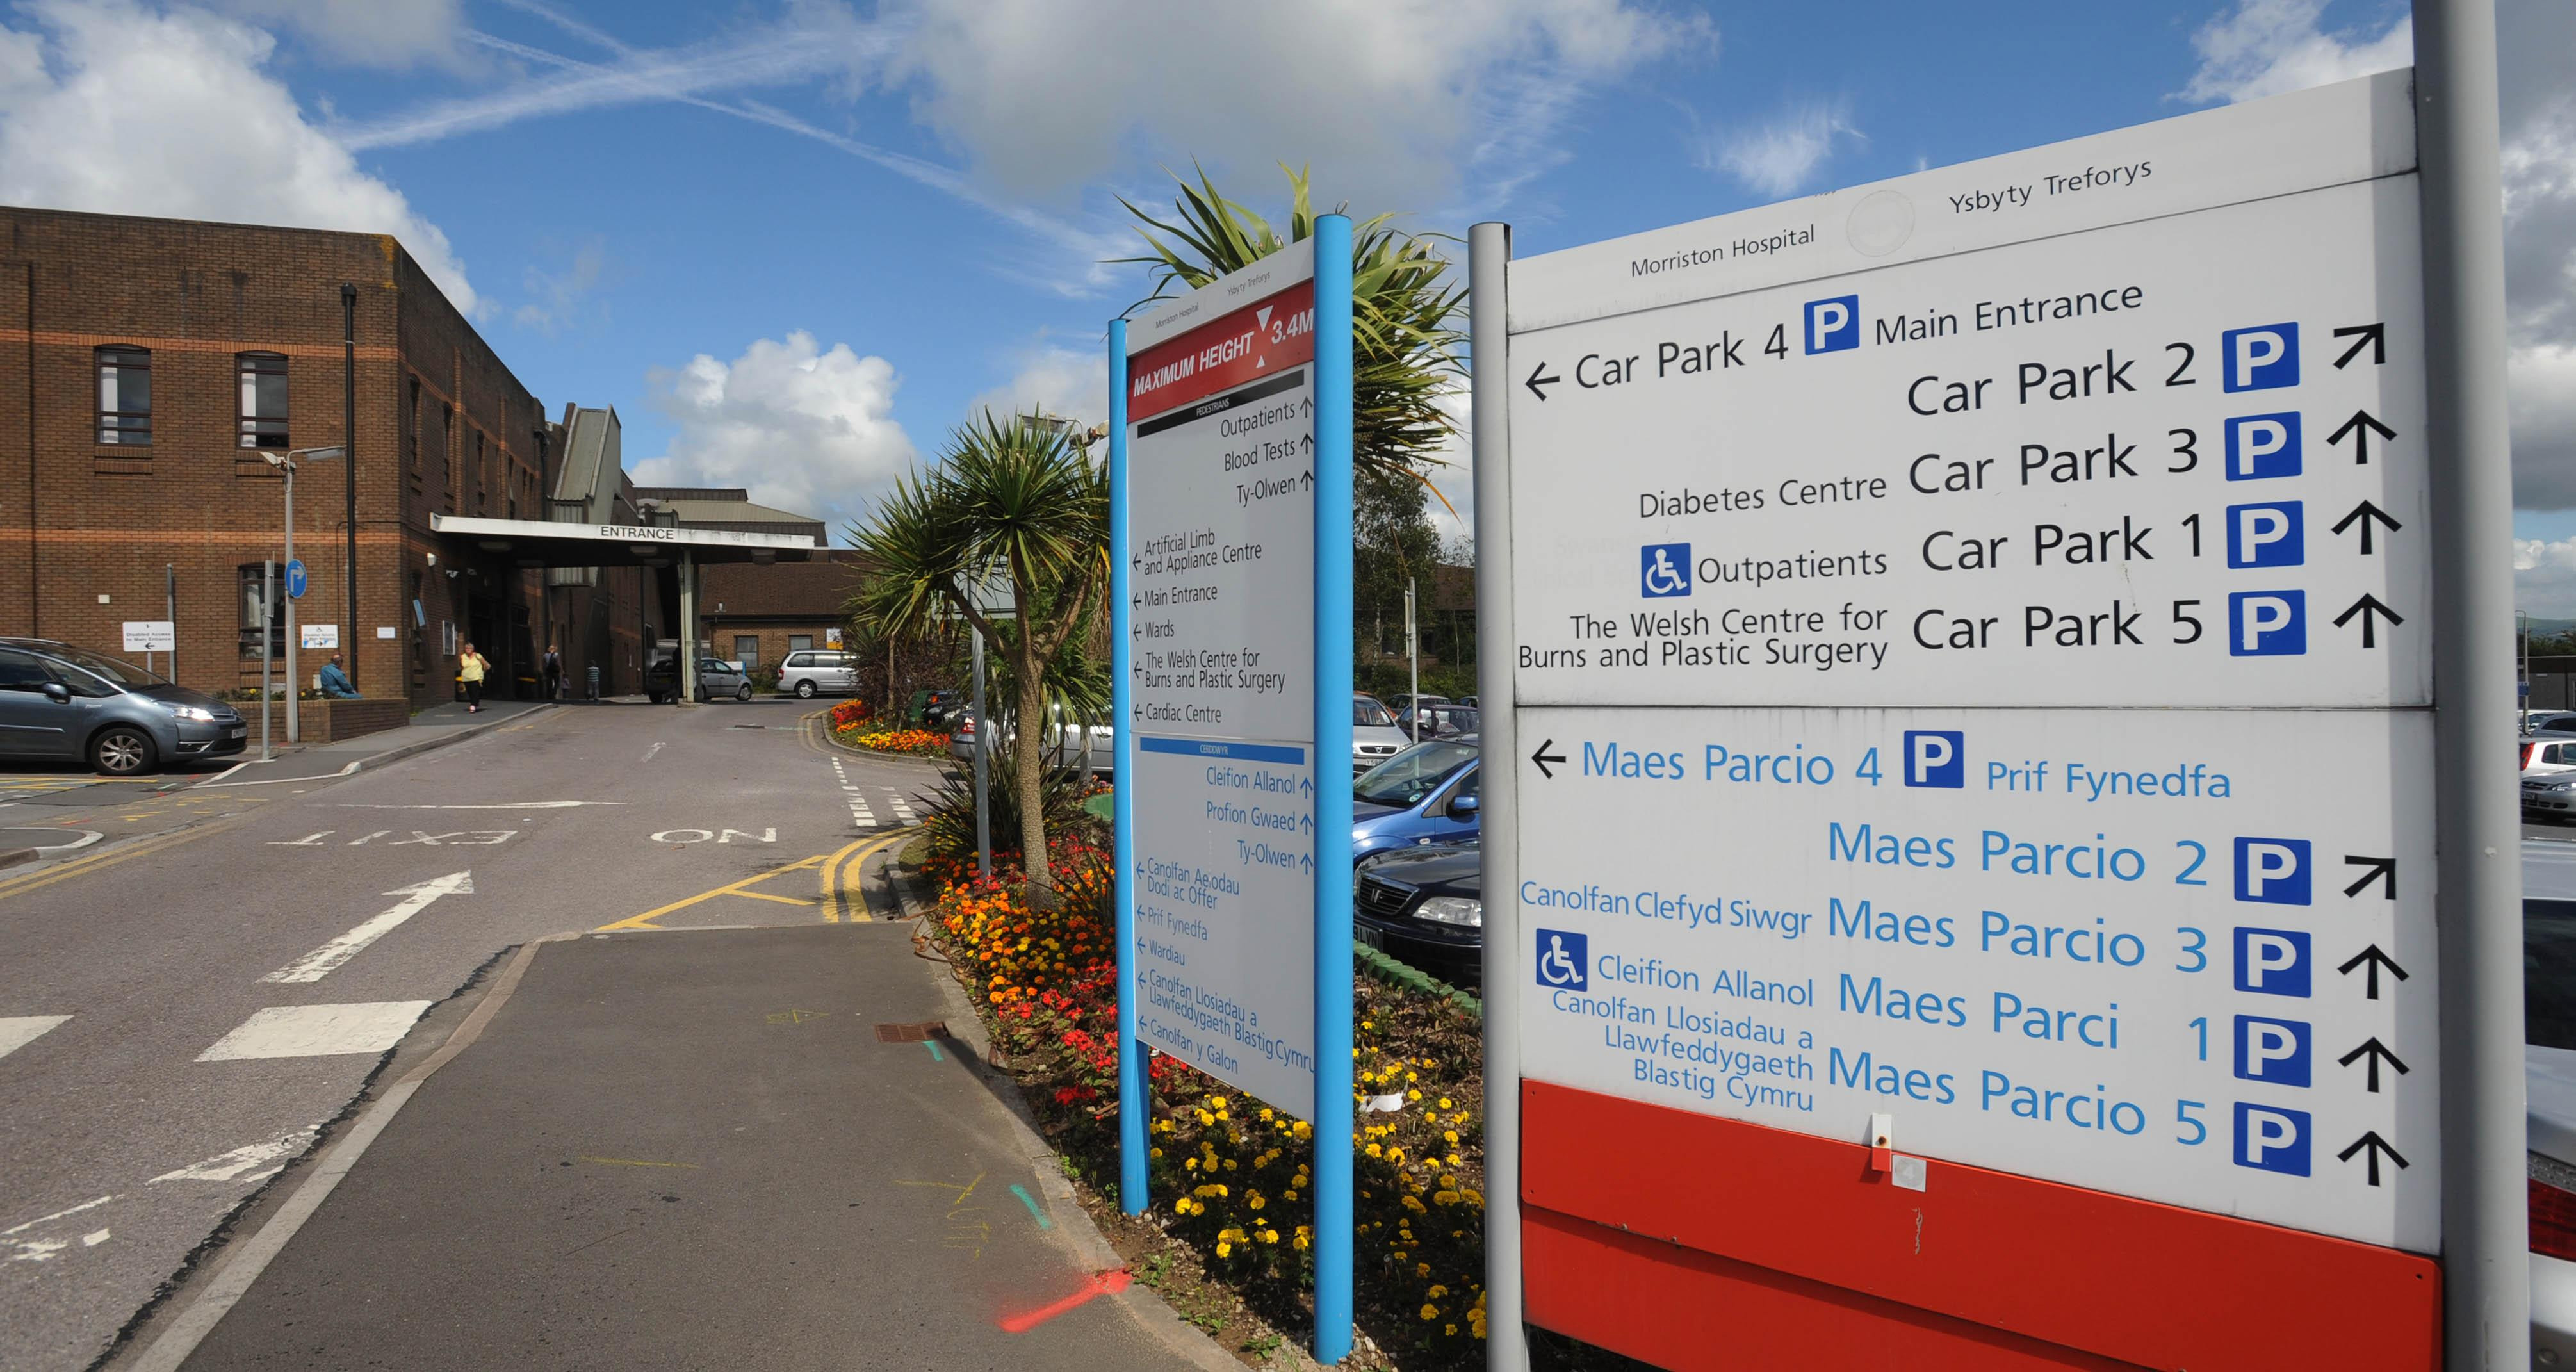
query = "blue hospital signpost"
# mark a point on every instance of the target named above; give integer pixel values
(1230, 474)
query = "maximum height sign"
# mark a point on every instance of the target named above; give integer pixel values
(1230, 477)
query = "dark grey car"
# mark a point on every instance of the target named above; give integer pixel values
(66, 704)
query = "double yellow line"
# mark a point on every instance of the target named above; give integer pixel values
(96, 861)
(838, 904)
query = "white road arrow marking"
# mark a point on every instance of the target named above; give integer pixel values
(523, 805)
(230, 1166)
(322, 961)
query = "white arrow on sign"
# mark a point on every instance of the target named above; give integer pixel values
(322, 961)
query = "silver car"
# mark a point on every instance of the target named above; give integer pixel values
(64, 703)
(811, 672)
(1374, 737)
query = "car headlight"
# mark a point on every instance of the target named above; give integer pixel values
(1459, 910)
(198, 713)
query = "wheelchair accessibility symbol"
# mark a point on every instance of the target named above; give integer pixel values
(1664, 569)
(1563, 960)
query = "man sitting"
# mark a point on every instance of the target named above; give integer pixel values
(335, 682)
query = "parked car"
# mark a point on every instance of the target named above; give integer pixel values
(1063, 741)
(2537, 721)
(2549, 775)
(1424, 906)
(1374, 737)
(1399, 703)
(70, 704)
(1423, 795)
(810, 672)
(938, 707)
(1437, 721)
(717, 679)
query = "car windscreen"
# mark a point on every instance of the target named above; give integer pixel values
(124, 674)
(1404, 779)
(1368, 714)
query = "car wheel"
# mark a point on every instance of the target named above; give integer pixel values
(805, 689)
(702, 695)
(744, 694)
(122, 750)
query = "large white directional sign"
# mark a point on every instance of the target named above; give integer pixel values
(1221, 625)
(2026, 564)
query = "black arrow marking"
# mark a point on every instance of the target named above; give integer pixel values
(2371, 1140)
(1543, 757)
(1539, 379)
(2371, 336)
(2366, 514)
(1308, 441)
(2361, 426)
(2378, 1053)
(1306, 481)
(2375, 960)
(2379, 869)
(2369, 608)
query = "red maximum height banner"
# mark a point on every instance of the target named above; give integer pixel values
(1259, 340)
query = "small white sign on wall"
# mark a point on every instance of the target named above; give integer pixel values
(321, 635)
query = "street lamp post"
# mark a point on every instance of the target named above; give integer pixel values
(285, 462)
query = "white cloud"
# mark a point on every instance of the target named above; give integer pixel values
(108, 107)
(805, 429)
(2264, 47)
(1384, 97)
(2544, 577)
(1780, 157)
(2268, 47)
(369, 33)
(1054, 380)
(558, 298)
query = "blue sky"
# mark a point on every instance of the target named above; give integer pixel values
(793, 241)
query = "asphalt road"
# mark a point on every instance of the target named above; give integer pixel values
(184, 1008)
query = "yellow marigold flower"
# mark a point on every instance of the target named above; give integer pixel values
(1444, 1103)
(1257, 1202)
(1437, 1290)
(1431, 1312)
(1448, 1136)
(1270, 1236)
(1265, 1114)
(1205, 1118)
(1191, 1163)
(1368, 1024)
(1449, 1329)
(1288, 1195)
(1216, 1102)
(1229, 1164)
(1303, 1131)
(1445, 1197)
(1375, 1150)
(1224, 1250)
(1158, 1152)
(1411, 1095)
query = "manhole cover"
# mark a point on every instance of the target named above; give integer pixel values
(912, 1033)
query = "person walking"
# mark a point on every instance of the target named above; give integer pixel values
(553, 671)
(470, 667)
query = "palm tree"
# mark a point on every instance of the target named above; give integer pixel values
(1012, 499)
(1404, 342)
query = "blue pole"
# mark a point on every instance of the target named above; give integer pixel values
(1333, 678)
(1132, 1141)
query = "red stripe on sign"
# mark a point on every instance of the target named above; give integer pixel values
(1812, 1242)
(1262, 339)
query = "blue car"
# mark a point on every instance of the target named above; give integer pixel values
(1425, 794)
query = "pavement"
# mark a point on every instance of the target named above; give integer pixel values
(726, 1148)
(198, 997)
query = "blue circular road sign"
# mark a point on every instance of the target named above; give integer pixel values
(295, 579)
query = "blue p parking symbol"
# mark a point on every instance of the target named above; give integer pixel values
(2272, 871)
(2261, 358)
(2263, 446)
(2272, 1138)
(2267, 623)
(1936, 758)
(1833, 325)
(2265, 535)
(2272, 1051)
(2272, 962)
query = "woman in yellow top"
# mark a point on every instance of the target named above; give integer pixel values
(470, 667)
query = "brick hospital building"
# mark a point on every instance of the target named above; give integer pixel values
(149, 368)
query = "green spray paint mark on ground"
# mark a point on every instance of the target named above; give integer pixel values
(935, 1054)
(1034, 1212)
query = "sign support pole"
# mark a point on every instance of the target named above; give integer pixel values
(1489, 254)
(1332, 768)
(2485, 1273)
(1132, 1104)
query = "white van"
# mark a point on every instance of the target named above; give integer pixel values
(810, 672)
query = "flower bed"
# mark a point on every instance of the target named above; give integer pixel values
(851, 725)
(1234, 1176)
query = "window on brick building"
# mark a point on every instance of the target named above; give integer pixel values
(263, 399)
(746, 650)
(124, 394)
(252, 576)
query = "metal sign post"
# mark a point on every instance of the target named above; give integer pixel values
(267, 650)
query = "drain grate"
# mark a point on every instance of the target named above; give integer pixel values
(912, 1033)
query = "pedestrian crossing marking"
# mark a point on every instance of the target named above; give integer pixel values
(308, 1031)
(17, 1031)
